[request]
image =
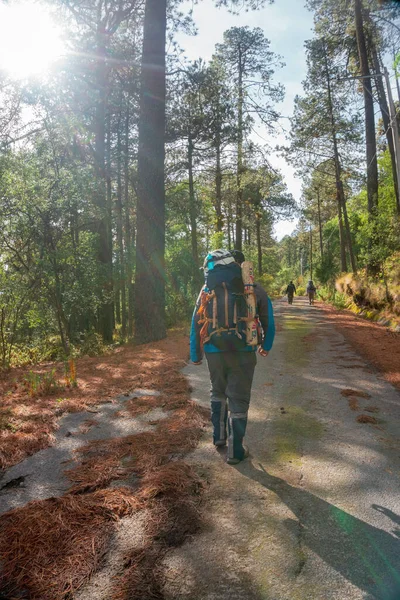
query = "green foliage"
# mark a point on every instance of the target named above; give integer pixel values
(40, 349)
(38, 385)
(66, 219)
(326, 269)
(217, 239)
(182, 285)
(92, 344)
(6, 420)
(329, 294)
(267, 281)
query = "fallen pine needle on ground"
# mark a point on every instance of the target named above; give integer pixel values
(50, 548)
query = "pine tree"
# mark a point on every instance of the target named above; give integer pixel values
(250, 63)
(321, 129)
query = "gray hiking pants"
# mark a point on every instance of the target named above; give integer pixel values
(231, 375)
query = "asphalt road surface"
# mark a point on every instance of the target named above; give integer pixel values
(314, 513)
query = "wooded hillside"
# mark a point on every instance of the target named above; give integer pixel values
(124, 166)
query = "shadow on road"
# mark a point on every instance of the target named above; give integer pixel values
(366, 556)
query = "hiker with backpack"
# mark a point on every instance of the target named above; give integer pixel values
(311, 290)
(232, 319)
(290, 291)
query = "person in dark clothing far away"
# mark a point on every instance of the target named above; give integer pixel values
(290, 290)
(219, 325)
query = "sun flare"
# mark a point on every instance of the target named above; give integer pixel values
(30, 41)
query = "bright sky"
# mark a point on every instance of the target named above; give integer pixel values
(287, 24)
(30, 41)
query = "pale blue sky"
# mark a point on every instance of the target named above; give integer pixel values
(287, 24)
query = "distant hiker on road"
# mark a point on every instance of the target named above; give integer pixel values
(232, 318)
(311, 289)
(290, 291)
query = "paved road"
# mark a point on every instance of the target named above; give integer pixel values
(314, 513)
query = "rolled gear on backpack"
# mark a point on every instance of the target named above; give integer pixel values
(251, 303)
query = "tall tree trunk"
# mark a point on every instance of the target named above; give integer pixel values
(228, 227)
(372, 163)
(385, 112)
(321, 245)
(150, 246)
(129, 231)
(116, 300)
(106, 310)
(394, 131)
(218, 186)
(343, 261)
(345, 235)
(192, 207)
(120, 236)
(396, 76)
(311, 254)
(117, 292)
(239, 171)
(347, 228)
(259, 249)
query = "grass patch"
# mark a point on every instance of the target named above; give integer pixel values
(290, 430)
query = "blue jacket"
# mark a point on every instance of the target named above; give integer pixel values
(265, 315)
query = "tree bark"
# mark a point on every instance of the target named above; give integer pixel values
(239, 171)
(228, 228)
(372, 163)
(192, 206)
(343, 261)
(150, 254)
(116, 313)
(120, 237)
(347, 228)
(345, 235)
(321, 246)
(106, 310)
(383, 104)
(396, 77)
(218, 188)
(259, 249)
(129, 231)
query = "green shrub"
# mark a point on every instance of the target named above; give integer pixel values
(5, 420)
(340, 300)
(92, 345)
(39, 350)
(326, 293)
(267, 282)
(45, 384)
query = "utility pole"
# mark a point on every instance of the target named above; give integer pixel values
(395, 130)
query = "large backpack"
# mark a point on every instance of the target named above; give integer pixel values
(223, 310)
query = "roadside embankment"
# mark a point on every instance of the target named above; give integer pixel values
(376, 343)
